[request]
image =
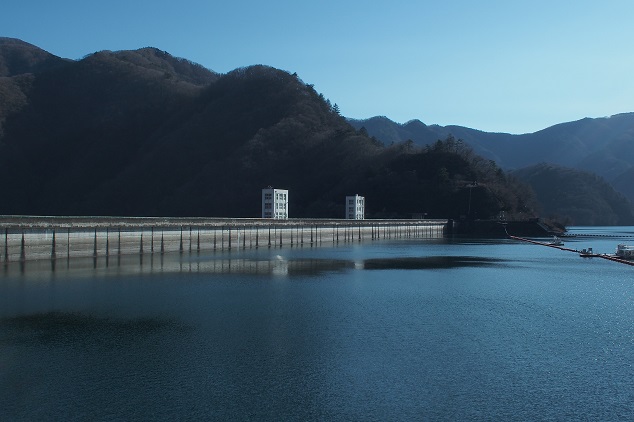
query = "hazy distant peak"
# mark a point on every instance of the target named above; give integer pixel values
(414, 123)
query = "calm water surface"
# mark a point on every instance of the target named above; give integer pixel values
(401, 330)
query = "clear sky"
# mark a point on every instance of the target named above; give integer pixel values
(499, 66)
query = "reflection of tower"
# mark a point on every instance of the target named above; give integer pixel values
(280, 266)
(275, 203)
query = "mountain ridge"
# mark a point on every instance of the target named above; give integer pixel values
(19, 57)
(140, 132)
(604, 146)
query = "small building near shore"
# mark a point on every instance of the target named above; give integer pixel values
(355, 207)
(275, 203)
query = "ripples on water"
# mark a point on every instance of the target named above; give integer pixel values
(435, 330)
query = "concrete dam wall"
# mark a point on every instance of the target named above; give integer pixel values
(37, 238)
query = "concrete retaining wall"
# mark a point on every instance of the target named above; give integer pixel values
(37, 238)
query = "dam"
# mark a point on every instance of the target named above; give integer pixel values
(27, 238)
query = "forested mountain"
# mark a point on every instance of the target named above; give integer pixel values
(604, 146)
(577, 197)
(144, 133)
(624, 183)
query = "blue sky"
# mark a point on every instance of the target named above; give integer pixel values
(498, 66)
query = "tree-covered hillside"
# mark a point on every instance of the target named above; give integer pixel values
(577, 197)
(144, 133)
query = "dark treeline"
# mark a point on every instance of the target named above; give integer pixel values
(143, 133)
(576, 197)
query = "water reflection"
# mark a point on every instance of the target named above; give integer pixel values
(176, 263)
(73, 327)
(428, 262)
(274, 265)
(277, 266)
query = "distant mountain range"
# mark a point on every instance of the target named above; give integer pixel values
(604, 146)
(144, 133)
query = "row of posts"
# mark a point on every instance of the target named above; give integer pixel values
(226, 237)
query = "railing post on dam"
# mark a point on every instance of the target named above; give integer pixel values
(180, 247)
(94, 250)
(53, 255)
(22, 249)
(6, 245)
(107, 242)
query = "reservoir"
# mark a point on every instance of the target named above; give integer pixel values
(396, 329)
